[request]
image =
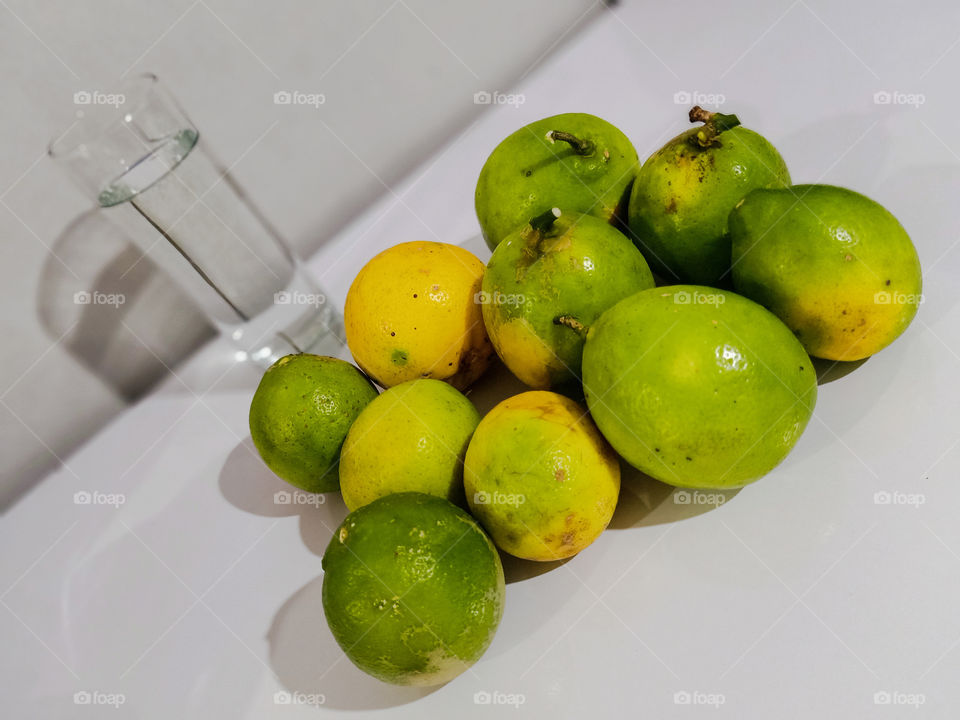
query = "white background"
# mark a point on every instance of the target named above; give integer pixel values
(800, 596)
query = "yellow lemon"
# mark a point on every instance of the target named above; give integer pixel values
(413, 312)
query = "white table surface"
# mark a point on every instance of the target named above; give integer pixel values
(799, 596)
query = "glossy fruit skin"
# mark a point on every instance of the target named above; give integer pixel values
(413, 590)
(682, 197)
(411, 438)
(540, 478)
(300, 415)
(527, 174)
(834, 265)
(412, 312)
(697, 387)
(577, 269)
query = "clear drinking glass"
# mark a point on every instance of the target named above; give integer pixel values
(140, 157)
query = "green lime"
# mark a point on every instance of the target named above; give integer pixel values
(834, 265)
(684, 192)
(411, 438)
(300, 415)
(576, 161)
(697, 387)
(413, 589)
(549, 279)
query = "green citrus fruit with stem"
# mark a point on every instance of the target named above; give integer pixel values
(413, 589)
(411, 438)
(549, 280)
(300, 415)
(575, 161)
(684, 192)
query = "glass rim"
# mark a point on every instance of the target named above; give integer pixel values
(136, 88)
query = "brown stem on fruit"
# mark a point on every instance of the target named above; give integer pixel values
(580, 147)
(698, 114)
(571, 322)
(532, 234)
(713, 124)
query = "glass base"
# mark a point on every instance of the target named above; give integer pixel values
(299, 320)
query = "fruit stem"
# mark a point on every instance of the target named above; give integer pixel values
(713, 124)
(544, 221)
(570, 322)
(580, 147)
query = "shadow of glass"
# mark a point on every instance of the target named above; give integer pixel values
(307, 659)
(114, 309)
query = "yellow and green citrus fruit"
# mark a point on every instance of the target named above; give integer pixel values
(411, 312)
(413, 589)
(834, 265)
(697, 387)
(549, 280)
(684, 192)
(300, 415)
(540, 478)
(578, 162)
(411, 438)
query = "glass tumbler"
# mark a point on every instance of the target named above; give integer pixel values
(138, 155)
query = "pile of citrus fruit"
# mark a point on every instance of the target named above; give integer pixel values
(663, 314)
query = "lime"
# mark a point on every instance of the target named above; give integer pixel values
(540, 477)
(684, 192)
(413, 590)
(412, 437)
(548, 280)
(834, 265)
(411, 312)
(300, 415)
(577, 161)
(697, 387)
